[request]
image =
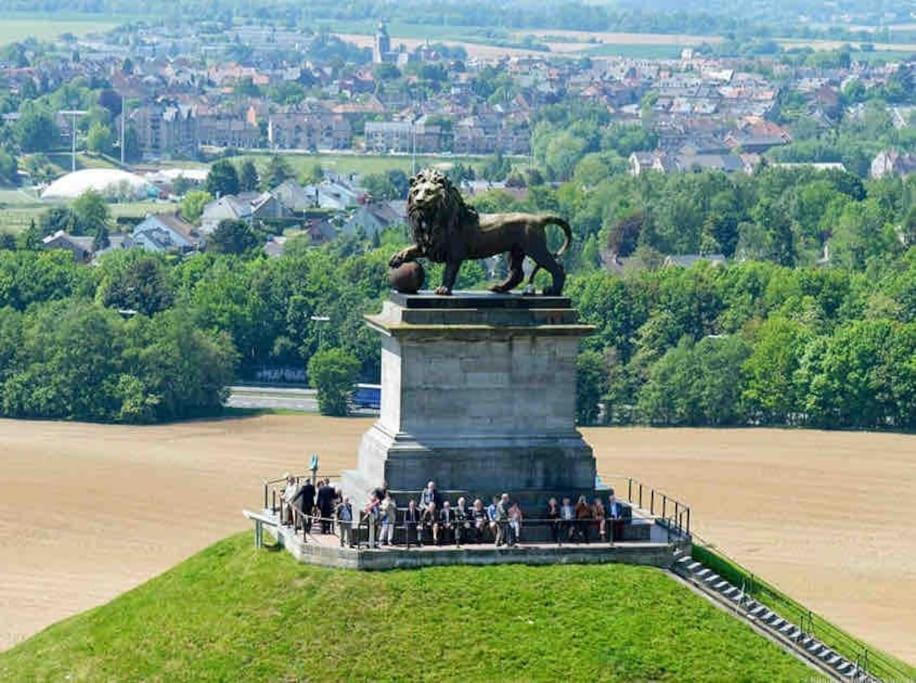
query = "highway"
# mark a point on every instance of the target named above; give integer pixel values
(282, 398)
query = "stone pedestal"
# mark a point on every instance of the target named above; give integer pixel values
(478, 394)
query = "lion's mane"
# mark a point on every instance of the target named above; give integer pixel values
(438, 224)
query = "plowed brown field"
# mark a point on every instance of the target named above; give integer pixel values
(88, 511)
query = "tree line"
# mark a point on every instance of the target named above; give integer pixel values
(777, 336)
(750, 344)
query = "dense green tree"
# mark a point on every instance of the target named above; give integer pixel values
(193, 203)
(35, 131)
(91, 212)
(222, 179)
(134, 280)
(277, 172)
(232, 237)
(248, 176)
(333, 372)
(100, 139)
(769, 373)
(9, 167)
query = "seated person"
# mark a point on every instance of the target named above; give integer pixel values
(492, 518)
(447, 524)
(480, 520)
(599, 517)
(430, 521)
(462, 521)
(412, 528)
(583, 519)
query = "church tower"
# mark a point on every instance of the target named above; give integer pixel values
(382, 44)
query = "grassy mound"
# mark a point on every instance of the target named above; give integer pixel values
(234, 613)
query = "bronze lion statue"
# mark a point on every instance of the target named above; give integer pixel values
(446, 230)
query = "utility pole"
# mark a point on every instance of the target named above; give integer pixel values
(73, 114)
(123, 125)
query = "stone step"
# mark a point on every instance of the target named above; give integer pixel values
(758, 610)
(685, 560)
(825, 653)
(703, 573)
(694, 566)
(712, 579)
(834, 660)
(722, 585)
(730, 591)
(846, 668)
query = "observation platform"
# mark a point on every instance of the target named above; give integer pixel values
(325, 550)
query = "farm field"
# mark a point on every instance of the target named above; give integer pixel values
(573, 43)
(89, 511)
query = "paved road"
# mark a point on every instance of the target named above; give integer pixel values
(283, 398)
(273, 397)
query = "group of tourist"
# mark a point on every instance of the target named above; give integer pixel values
(436, 519)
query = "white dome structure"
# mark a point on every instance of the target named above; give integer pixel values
(109, 182)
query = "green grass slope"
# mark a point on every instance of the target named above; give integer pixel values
(234, 613)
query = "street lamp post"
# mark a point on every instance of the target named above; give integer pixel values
(73, 113)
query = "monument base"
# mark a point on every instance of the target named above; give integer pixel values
(478, 395)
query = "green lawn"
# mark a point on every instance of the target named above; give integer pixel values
(235, 613)
(15, 26)
(365, 163)
(16, 217)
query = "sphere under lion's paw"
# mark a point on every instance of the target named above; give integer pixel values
(407, 278)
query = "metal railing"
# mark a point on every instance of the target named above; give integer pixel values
(668, 510)
(869, 661)
(574, 531)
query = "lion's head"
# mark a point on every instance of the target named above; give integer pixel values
(437, 213)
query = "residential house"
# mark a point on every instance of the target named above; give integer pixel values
(294, 197)
(80, 246)
(890, 162)
(247, 206)
(338, 194)
(640, 162)
(165, 232)
(372, 218)
(687, 260)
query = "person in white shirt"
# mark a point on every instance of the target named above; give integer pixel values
(389, 512)
(568, 518)
(289, 493)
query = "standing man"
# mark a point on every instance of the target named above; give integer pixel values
(344, 514)
(502, 520)
(389, 519)
(326, 496)
(305, 498)
(287, 516)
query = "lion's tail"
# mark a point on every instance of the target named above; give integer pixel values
(567, 233)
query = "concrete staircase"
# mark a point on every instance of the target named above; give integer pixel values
(784, 632)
